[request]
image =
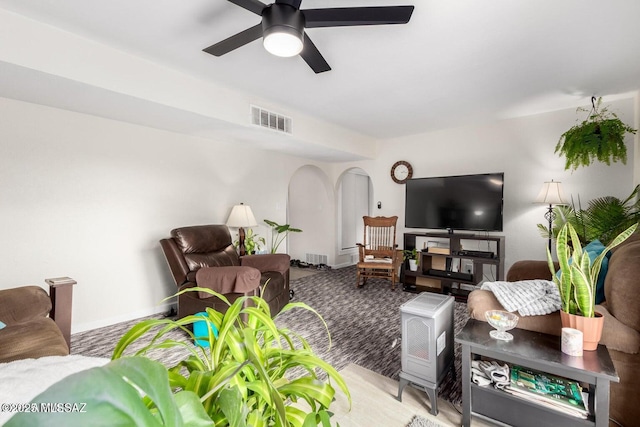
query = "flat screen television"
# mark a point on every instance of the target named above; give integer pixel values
(465, 202)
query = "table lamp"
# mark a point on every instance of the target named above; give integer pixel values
(551, 194)
(241, 216)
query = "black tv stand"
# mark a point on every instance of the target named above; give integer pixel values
(434, 273)
(448, 234)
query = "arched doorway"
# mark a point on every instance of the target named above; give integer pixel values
(311, 207)
(354, 191)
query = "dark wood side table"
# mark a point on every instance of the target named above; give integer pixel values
(540, 352)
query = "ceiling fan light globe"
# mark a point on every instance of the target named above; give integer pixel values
(281, 42)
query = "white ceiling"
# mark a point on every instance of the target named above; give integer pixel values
(454, 63)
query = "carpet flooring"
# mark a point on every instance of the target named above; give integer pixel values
(364, 324)
(419, 421)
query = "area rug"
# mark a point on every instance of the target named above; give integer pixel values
(364, 324)
(419, 421)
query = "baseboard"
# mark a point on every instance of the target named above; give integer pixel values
(343, 265)
(82, 327)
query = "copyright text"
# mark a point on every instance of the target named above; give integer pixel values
(43, 407)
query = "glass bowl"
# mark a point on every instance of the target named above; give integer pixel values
(502, 321)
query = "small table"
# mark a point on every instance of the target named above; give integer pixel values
(540, 352)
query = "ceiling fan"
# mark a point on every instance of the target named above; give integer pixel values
(283, 24)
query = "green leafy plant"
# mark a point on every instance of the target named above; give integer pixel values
(410, 254)
(603, 219)
(578, 275)
(252, 242)
(129, 391)
(278, 233)
(260, 359)
(599, 137)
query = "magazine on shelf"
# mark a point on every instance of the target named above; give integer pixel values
(554, 392)
(548, 404)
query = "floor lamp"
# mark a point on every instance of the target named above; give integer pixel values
(241, 216)
(551, 194)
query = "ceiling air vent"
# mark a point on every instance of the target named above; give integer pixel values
(270, 120)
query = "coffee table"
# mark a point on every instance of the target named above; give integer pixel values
(540, 352)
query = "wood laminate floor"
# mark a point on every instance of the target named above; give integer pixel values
(374, 403)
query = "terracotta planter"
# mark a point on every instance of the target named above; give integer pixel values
(591, 328)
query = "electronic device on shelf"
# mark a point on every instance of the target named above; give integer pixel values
(450, 274)
(479, 254)
(465, 202)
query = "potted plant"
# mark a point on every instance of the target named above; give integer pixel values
(252, 374)
(412, 256)
(599, 137)
(278, 233)
(603, 219)
(267, 368)
(576, 282)
(252, 242)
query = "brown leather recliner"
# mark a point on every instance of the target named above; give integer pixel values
(204, 256)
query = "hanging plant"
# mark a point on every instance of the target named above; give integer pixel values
(600, 137)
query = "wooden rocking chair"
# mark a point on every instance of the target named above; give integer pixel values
(379, 257)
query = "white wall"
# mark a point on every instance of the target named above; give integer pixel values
(522, 148)
(89, 198)
(311, 209)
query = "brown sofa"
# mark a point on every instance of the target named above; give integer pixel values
(204, 256)
(621, 333)
(37, 324)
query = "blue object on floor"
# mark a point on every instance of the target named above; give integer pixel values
(200, 330)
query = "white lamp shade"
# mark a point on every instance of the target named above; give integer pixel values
(551, 194)
(241, 216)
(283, 41)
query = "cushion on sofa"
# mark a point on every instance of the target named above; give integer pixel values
(621, 284)
(481, 300)
(594, 249)
(45, 339)
(529, 269)
(23, 303)
(616, 335)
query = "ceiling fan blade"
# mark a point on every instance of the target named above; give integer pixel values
(235, 41)
(348, 16)
(254, 6)
(313, 57)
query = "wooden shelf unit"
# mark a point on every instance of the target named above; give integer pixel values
(422, 280)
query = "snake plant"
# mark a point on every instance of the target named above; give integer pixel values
(578, 275)
(268, 369)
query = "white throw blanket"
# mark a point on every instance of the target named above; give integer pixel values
(528, 297)
(22, 380)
